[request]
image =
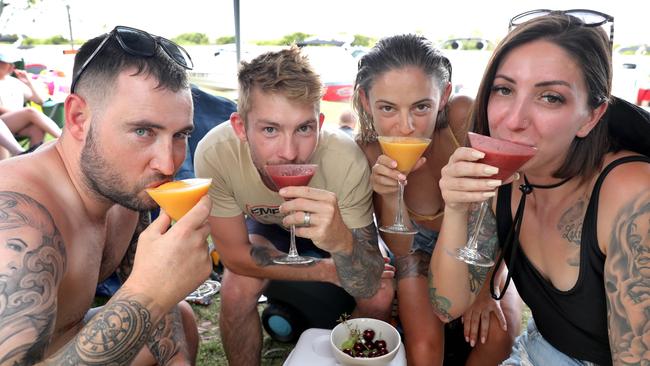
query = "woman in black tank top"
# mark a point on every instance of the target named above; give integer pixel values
(575, 230)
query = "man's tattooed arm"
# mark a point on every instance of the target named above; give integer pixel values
(360, 272)
(168, 336)
(114, 336)
(627, 282)
(32, 264)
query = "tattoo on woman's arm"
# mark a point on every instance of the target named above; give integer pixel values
(360, 272)
(627, 282)
(32, 264)
(441, 304)
(487, 244)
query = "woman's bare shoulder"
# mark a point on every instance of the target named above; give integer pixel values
(460, 108)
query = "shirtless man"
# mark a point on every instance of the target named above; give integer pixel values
(72, 212)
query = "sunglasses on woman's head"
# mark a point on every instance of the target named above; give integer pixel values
(589, 18)
(137, 42)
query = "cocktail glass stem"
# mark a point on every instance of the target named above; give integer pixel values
(398, 226)
(469, 253)
(293, 252)
(292, 257)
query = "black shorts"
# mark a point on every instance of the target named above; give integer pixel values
(279, 237)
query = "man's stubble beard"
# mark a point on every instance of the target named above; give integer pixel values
(105, 181)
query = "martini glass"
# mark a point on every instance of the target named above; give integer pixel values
(179, 196)
(285, 175)
(508, 157)
(405, 151)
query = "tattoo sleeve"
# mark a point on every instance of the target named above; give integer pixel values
(627, 282)
(360, 272)
(32, 264)
(114, 336)
(487, 244)
(125, 267)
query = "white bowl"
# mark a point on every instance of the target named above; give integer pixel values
(383, 330)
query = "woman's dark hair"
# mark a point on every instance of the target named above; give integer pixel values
(591, 50)
(392, 53)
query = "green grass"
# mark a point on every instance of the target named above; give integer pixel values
(211, 351)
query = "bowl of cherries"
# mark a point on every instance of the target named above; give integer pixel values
(364, 341)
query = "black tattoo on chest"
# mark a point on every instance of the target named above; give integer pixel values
(570, 228)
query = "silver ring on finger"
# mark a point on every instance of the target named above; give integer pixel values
(307, 219)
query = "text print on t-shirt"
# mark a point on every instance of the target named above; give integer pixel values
(263, 211)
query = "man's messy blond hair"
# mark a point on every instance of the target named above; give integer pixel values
(286, 72)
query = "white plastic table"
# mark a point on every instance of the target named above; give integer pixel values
(313, 348)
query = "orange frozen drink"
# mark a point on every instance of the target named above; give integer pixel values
(178, 197)
(404, 150)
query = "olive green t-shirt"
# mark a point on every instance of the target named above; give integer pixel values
(238, 188)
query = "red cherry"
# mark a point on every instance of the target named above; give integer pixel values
(380, 344)
(368, 335)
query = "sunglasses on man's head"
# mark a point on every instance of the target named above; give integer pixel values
(137, 42)
(589, 18)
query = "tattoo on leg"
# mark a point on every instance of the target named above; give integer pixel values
(32, 264)
(415, 264)
(570, 227)
(360, 272)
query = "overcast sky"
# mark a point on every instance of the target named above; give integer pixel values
(270, 19)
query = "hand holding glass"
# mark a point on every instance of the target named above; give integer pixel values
(178, 197)
(285, 175)
(405, 151)
(508, 157)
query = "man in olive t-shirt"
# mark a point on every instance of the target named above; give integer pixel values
(279, 122)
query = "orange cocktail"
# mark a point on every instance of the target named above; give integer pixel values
(404, 150)
(179, 196)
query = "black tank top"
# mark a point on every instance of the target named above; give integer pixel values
(573, 321)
